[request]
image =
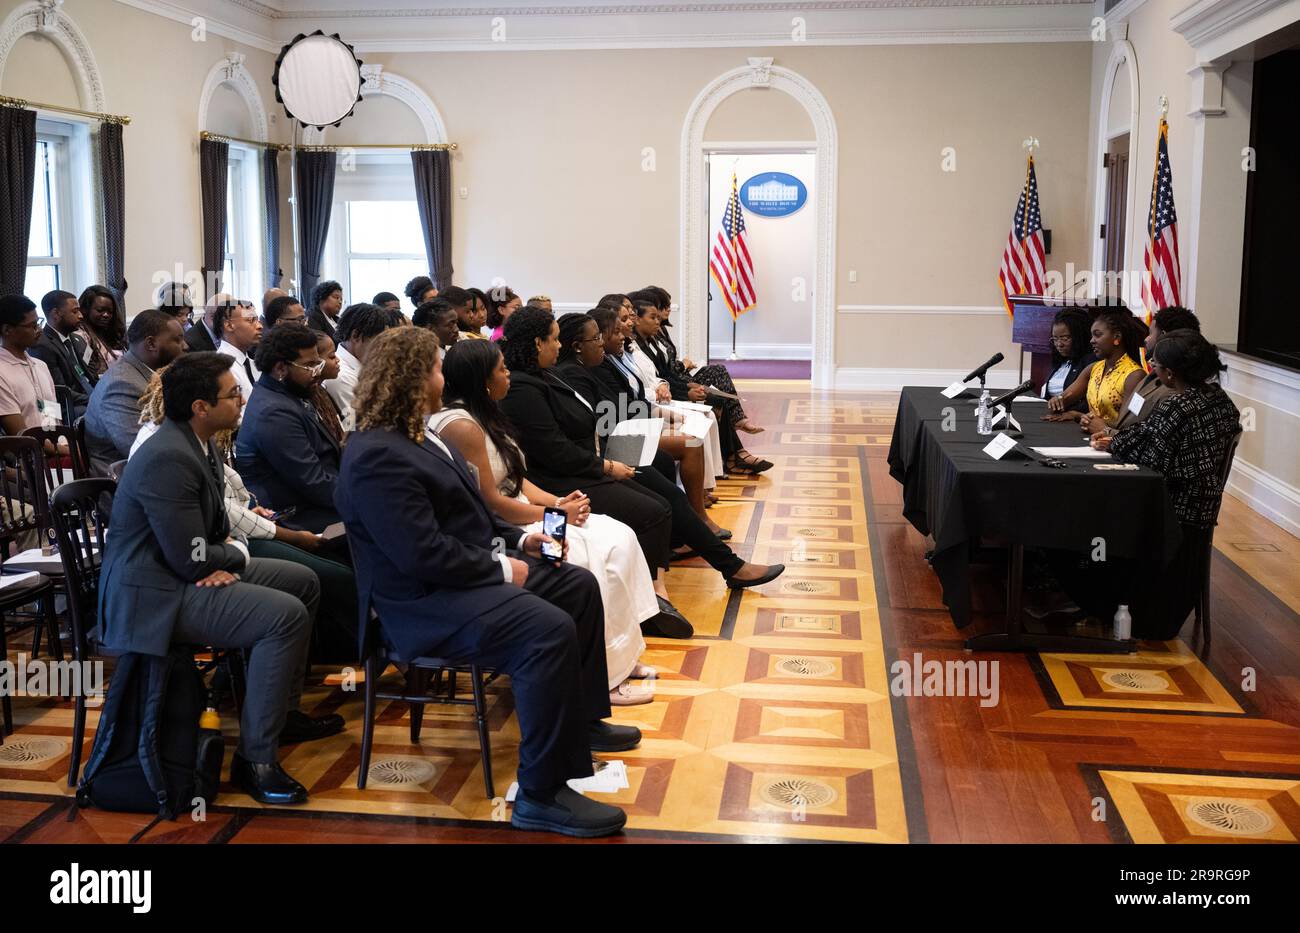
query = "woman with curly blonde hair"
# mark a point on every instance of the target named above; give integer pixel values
(432, 562)
(334, 636)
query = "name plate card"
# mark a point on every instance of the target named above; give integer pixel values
(954, 390)
(998, 447)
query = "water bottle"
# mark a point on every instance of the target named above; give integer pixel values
(1123, 624)
(984, 415)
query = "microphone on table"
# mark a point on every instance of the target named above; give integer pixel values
(979, 371)
(1006, 397)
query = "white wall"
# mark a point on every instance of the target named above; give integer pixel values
(783, 250)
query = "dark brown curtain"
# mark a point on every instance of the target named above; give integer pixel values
(432, 170)
(214, 160)
(17, 177)
(315, 192)
(271, 235)
(112, 175)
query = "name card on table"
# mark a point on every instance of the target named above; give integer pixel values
(1003, 415)
(954, 390)
(998, 447)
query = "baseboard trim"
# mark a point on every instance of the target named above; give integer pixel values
(851, 377)
(1275, 499)
(762, 351)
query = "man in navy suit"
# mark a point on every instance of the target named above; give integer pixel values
(172, 574)
(283, 452)
(448, 578)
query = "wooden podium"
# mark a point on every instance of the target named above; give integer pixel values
(1031, 328)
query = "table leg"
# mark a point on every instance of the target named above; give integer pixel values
(1015, 638)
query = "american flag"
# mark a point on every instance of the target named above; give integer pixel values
(1022, 260)
(1160, 256)
(730, 263)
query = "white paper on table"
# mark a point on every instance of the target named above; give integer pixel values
(1062, 452)
(1029, 398)
(998, 447)
(13, 579)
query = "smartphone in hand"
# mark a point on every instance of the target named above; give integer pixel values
(554, 524)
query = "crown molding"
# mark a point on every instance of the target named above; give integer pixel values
(1203, 22)
(636, 25)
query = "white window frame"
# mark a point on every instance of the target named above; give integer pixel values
(244, 222)
(68, 168)
(377, 176)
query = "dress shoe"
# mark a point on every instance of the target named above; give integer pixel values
(724, 534)
(629, 694)
(299, 727)
(669, 623)
(773, 571)
(569, 813)
(611, 737)
(266, 783)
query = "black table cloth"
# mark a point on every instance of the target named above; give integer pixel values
(955, 492)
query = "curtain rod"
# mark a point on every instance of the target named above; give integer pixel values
(414, 147)
(32, 105)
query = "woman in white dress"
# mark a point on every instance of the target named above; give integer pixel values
(475, 378)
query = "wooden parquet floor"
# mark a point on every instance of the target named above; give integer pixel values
(777, 721)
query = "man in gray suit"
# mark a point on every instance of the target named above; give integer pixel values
(172, 574)
(154, 339)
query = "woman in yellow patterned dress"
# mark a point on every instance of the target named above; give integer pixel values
(1116, 339)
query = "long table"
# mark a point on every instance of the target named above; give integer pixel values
(956, 493)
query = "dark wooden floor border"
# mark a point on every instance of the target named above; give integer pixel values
(909, 770)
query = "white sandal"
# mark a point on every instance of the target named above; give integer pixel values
(627, 695)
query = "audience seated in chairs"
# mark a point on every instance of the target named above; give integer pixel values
(472, 311)
(64, 350)
(710, 374)
(439, 316)
(1116, 342)
(387, 300)
(334, 636)
(501, 303)
(288, 458)
(103, 325)
(326, 301)
(419, 290)
(585, 340)
(203, 334)
(476, 378)
(154, 339)
(174, 298)
(158, 588)
(359, 325)
(326, 408)
(284, 309)
(447, 591)
(240, 329)
(27, 396)
(557, 433)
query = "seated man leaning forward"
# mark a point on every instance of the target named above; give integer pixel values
(430, 562)
(173, 575)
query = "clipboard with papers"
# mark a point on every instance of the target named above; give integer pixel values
(635, 441)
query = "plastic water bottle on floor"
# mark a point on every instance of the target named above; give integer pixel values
(1123, 624)
(984, 415)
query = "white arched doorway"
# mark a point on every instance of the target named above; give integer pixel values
(231, 72)
(693, 284)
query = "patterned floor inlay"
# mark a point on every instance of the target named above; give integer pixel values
(1205, 808)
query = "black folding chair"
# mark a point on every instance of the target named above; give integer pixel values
(57, 467)
(1206, 557)
(424, 684)
(79, 511)
(24, 514)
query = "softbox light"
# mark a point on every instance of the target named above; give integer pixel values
(317, 79)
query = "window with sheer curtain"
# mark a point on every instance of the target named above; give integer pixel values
(61, 244)
(375, 242)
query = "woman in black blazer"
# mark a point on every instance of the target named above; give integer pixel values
(557, 431)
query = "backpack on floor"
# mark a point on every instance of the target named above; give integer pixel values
(150, 755)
